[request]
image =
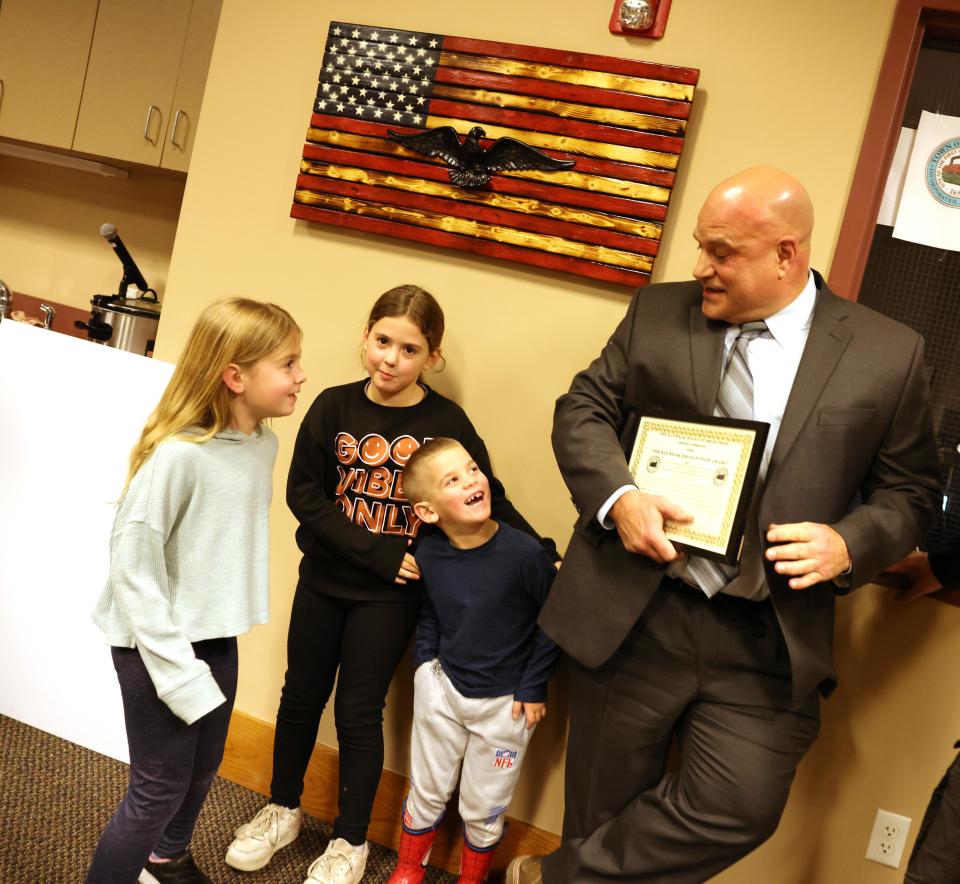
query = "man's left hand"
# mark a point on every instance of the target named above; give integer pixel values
(808, 552)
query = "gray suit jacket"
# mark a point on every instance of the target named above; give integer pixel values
(856, 450)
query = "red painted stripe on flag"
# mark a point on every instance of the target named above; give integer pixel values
(580, 60)
(479, 212)
(482, 247)
(590, 165)
(663, 107)
(498, 183)
(542, 123)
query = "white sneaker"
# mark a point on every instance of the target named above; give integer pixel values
(257, 841)
(341, 863)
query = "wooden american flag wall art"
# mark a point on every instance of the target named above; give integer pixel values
(621, 121)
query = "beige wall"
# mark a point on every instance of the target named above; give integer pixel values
(50, 217)
(790, 88)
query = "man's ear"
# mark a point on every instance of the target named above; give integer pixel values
(233, 378)
(426, 512)
(787, 251)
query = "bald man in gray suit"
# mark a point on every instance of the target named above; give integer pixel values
(734, 668)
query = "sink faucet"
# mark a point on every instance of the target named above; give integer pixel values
(6, 299)
(49, 314)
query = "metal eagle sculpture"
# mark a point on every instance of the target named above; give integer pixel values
(470, 165)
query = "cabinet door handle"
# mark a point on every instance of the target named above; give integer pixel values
(146, 124)
(2, 90)
(176, 125)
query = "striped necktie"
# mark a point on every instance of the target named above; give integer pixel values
(734, 400)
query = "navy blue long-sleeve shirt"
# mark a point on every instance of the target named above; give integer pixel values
(479, 615)
(345, 488)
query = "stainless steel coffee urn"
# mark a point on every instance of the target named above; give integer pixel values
(127, 320)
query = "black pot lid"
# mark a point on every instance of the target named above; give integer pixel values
(134, 307)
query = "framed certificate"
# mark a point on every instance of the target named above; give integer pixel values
(707, 465)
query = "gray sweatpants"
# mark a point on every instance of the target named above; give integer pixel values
(450, 729)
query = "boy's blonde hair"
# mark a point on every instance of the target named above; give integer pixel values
(237, 331)
(416, 484)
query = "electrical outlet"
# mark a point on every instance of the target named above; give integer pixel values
(888, 838)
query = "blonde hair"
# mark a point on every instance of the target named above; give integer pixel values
(237, 331)
(416, 476)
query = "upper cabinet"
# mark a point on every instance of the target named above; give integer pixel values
(191, 81)
(44, 45)
(144, 80)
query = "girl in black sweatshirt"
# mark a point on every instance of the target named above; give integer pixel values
(358, 596)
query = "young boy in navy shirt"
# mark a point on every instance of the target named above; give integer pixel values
(482, 663)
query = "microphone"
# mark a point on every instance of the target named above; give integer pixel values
(131, 273)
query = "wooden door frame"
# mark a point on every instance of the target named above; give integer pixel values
(912, 19)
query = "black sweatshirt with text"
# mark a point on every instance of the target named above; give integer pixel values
(346, 489)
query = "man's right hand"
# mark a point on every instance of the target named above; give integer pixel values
(639, 519)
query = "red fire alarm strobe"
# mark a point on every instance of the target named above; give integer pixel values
(640, 18)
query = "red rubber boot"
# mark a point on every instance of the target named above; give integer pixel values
(413, 855)
(474, 864)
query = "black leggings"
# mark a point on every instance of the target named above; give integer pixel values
(172, 765)
(365, 641)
